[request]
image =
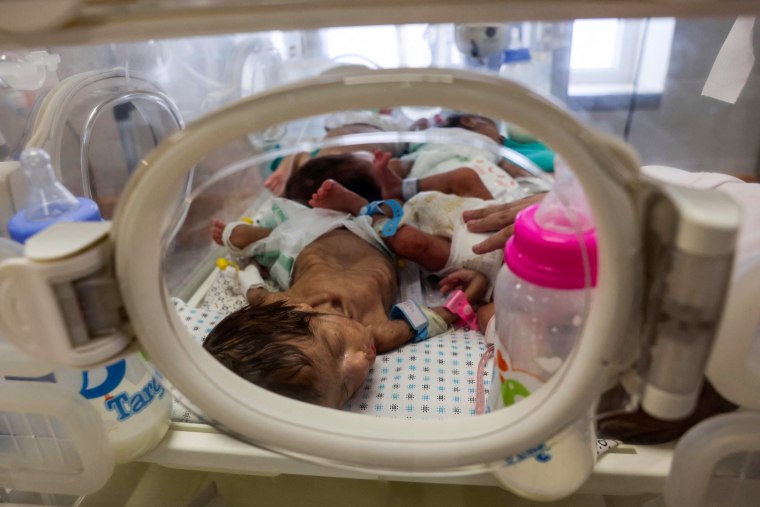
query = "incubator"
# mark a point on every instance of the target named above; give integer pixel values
(169, 115)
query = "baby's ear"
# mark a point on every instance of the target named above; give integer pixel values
(468, 121)
(303, 307)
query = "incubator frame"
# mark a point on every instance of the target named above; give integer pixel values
(607, 170)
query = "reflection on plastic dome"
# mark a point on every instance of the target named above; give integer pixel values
(348, 262)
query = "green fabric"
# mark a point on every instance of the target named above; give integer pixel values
(537, 152)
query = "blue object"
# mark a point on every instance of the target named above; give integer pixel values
(48, 201)
(22, 228)
(414, 316)
(115, 373)
(391, 226)
(516, 55)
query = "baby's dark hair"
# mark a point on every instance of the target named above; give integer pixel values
(259, 343)
(454, 120)
(342, 168)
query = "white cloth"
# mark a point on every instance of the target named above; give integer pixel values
(441, 215)
(294, 226)
(436, 158)
(381, 121)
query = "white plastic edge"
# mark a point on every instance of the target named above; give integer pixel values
(701, 448)
(667, 405)
(728, 367)
(37, 15)
(82, 424)
(27, 292)
(108, 22)
(333, 436)
(706, 226)
(15, 362)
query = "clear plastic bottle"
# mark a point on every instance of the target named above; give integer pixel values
(541, 298)
(47, 201)
(128, 396)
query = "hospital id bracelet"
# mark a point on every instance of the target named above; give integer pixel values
(414, 316)
(409, 188)
(458, 305)
(227, 232)
(390, 226)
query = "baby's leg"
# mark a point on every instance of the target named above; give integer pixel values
(390, 173)
(332, 195)
(241, 236)
(430, 252)
(462, 181)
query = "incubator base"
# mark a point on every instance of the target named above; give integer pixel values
(640, 428)
(150, 485)
(624, 470)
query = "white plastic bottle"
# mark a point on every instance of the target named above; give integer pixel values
(541, 298)
(134, 406)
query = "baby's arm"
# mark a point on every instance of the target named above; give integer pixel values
(392, 334)
(241, 236)
(473, 283)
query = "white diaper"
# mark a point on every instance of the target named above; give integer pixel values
(441, 215)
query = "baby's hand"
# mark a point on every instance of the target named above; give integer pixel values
(217, 229)
(473, 283)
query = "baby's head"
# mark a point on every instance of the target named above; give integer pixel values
(352, 170)
(294, 351)
(475, 123)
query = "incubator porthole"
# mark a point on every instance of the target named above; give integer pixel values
(232, 183)
(270, 227)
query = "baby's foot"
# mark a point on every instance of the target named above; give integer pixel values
(332, 195)
(277, 181)
(390, 182)
(217, 229)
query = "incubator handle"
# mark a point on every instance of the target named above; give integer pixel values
(60, 303)
(734, 366)
(72, 455)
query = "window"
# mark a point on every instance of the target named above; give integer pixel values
(616, 57)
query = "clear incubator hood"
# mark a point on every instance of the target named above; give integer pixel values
(189, 122)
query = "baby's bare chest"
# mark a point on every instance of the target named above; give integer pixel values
(346, 269)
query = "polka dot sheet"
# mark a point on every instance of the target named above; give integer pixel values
(433, 379)
(198, 321)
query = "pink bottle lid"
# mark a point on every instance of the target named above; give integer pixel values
(549, 258)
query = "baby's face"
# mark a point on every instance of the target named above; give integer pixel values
(343, 352)
(481, 125)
